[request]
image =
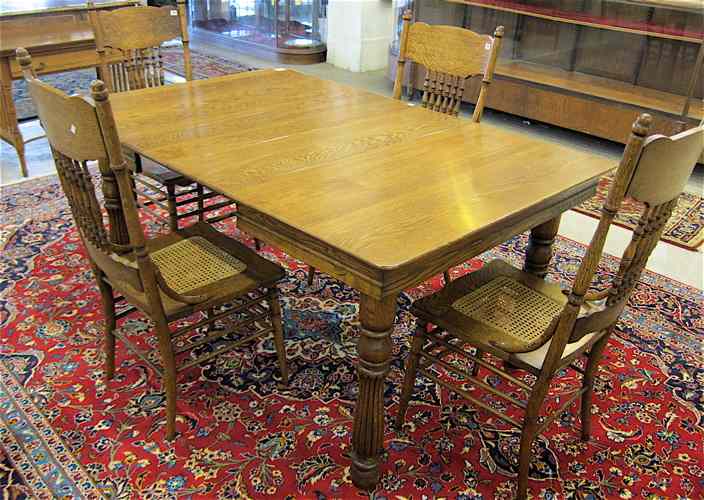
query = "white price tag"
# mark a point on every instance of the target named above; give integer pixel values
(72, 129)
(487, 46)
(174, 12)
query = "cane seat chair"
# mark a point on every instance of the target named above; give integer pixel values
(531, 324)
(210, 283)
(129, 46)
(450, 56)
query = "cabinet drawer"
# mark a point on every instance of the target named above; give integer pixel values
(60, 61)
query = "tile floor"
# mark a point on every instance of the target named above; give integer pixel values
(679, 264)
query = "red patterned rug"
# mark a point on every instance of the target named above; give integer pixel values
(65, 433)
(685, 229)
(204, 65)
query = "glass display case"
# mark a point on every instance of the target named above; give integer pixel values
(588, 65)
(288, 30)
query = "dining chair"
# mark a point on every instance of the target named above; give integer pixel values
(192, 281)
(129, 46)
(531, 324)
(450, 55)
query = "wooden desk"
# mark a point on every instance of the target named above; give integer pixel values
(372, 191)
(59, 37)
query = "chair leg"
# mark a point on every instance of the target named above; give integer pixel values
(311, 275)
(475, 367)
(171, 203)
(409, 380)
(201, 202)
(168, 362)
(524, 458)
(108, 301)
(209, 313)
(588, 384)
(276, 321)
(528, 433)
(446, 277)
(23, 160)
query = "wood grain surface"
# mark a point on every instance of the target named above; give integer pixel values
(381, 181)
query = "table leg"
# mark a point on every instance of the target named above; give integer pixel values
(374, 349)
(8, 118)
(539, 251)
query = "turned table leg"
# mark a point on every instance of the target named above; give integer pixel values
(539, 251)
(374, 349)
(9, 128)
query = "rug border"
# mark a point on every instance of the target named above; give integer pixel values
(29, 419)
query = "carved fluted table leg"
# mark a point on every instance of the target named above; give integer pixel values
(539, 251)
(374, 349)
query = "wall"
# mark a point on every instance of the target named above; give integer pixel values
(359, 33)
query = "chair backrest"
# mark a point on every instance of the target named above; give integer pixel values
(128, 42)
(80, 130)
(450, 56)
(653, 170)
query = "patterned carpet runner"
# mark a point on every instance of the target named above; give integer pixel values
(66, 433)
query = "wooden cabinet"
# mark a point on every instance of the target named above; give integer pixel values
(58, 36)
(586, 65)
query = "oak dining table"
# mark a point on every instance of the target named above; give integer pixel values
(375, 192)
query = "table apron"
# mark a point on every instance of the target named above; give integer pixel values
(452, 255)
(329, 260)
(379, 283)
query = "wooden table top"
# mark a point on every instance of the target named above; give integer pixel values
(383, 182)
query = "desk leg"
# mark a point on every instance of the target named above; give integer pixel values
(8, 120)
(374, 349)
(539, 251)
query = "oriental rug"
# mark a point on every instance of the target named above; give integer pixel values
(65, 433)
(684, 229)
(204, 66)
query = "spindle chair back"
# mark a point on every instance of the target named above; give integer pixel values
(137, 34)
(450, 56)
